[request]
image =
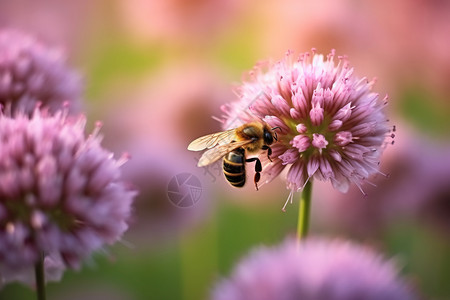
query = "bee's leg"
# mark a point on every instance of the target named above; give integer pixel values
(269, 151)
(258, 169)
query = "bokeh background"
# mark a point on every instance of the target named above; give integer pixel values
(155, 73)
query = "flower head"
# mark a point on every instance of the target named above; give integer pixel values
(331, 126)
(31, 73)
(314, 269)
(61, 194)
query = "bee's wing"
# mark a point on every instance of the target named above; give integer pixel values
(214, 154)
(211, 140)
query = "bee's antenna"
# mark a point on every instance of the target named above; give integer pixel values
(275, 136)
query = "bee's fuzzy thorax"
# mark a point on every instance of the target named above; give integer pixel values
(251, 131)
(254, 147)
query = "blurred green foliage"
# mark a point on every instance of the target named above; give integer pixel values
(119, 60)
(423, 108)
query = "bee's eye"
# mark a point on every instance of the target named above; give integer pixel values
(268, 138)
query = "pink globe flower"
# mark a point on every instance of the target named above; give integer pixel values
(61, 193)
(31, 73)
(315, 269)
(331, 126)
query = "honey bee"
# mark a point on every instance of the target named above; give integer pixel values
(233, 146)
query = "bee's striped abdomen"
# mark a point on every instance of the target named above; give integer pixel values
(234, 167)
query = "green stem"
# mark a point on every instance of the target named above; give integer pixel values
(198, 260)
(40, 278)
(304, 211)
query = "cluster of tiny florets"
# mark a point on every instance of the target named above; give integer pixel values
(314, 269)
(32, 72)
(61, 193)
(331, 126)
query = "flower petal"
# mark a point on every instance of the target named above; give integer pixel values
(295, 176)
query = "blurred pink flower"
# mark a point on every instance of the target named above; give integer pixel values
(60, 192)
(419, 58)
(367, 30)
(331, 126)
(31, 72)
(171, 107)
(314, 269)
(177, 20)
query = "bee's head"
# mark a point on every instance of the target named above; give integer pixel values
(270, 135)
(268, 138)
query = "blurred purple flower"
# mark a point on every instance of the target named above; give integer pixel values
(417, 188)
(53, 265)
(31, 72)
(331, 125)
(315, 269)
(60, 192)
